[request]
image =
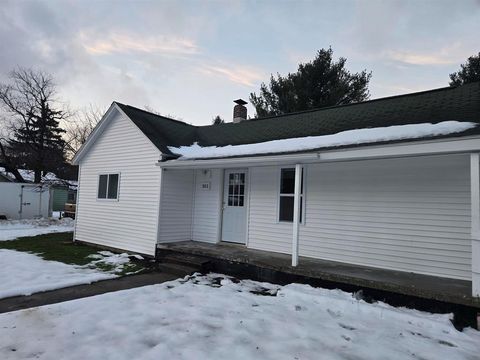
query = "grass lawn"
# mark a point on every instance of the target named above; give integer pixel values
(60, 247)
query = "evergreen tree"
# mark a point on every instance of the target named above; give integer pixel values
(36, 142)
(217, 120)
(319, 83)
(469, 72)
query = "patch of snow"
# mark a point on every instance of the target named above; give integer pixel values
(217, 317)
(12, 229)
(344, 138)
(116, 261)
(25, 274)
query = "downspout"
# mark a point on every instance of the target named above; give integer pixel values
(475, 221)
(75, 222)
(194, 194)
(296, 213)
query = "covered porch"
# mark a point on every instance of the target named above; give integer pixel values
(275, 267)
(405, 217)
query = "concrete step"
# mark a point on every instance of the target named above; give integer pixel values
(185, 259)
(179, 270)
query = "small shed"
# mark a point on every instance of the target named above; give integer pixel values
(62, 191)
(24, 200)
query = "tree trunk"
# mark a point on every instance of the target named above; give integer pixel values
(13, 171)
(38, 177)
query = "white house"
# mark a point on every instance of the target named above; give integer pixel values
(390, 183)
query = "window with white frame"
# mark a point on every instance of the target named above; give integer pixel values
(108, 186)
(287, 194)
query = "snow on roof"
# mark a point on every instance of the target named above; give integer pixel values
(344, 138)
(48, 178)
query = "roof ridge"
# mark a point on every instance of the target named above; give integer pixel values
(366, 101)
(157, 115)
(309, 110)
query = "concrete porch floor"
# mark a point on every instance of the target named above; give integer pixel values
(353, 276)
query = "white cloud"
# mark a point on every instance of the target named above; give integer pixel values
(237, 74)
(453, 54)
(127, 43)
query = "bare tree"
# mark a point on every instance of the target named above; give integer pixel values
(80, 127)
(36, 140)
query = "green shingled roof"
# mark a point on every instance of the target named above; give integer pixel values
(452, 103)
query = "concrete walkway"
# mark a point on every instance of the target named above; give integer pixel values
(82, 291)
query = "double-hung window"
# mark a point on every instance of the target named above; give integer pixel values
(287, 194)
(108, 186)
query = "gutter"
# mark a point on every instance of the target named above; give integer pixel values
(417, 148)
(241, 161)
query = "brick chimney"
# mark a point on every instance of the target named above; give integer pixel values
(239, 111)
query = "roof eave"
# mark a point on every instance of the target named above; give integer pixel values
(412, 148)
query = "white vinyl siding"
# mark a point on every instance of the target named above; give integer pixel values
(207, 205)
(189, 212)
(176, 206)
(265, 232)
(409, 214)
(131, 222)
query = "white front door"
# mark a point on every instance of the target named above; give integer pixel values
(234, 222)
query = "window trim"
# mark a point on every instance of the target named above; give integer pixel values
(279, 194)
(108, 185)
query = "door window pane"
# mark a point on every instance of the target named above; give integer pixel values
(236, 189)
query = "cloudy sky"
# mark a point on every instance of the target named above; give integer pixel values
(190, 59)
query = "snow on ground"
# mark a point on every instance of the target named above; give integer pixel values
(213, 317)
(12, 229)
(344, 138)
(115, 261)
(25, 274)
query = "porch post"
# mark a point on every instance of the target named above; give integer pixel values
(296, 213)
(475, 221)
